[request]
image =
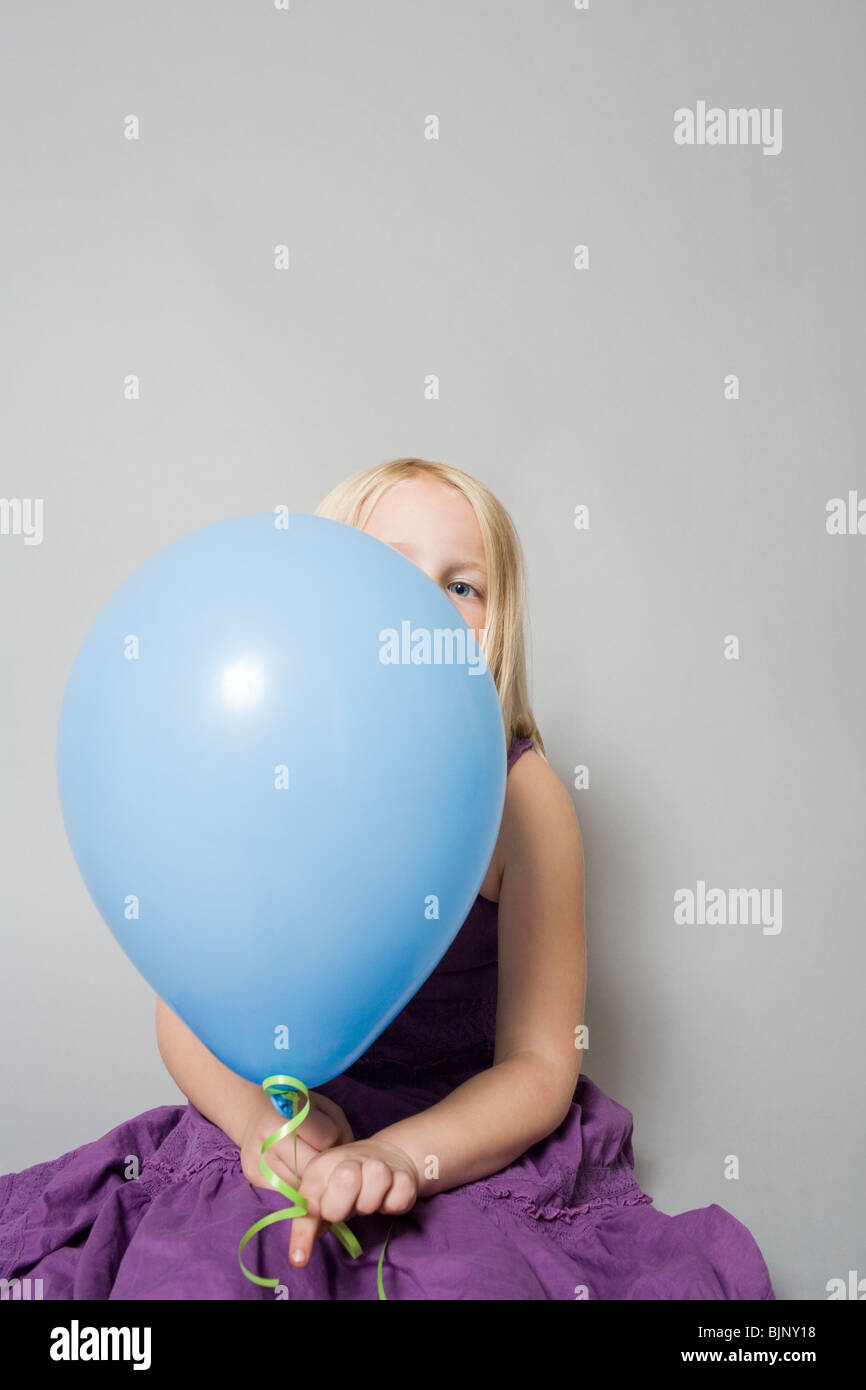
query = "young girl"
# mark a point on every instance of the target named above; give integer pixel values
(467, 1135)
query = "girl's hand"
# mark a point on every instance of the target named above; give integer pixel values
(324, 1128)
(356, 1178)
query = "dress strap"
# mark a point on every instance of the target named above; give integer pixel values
(519, 746)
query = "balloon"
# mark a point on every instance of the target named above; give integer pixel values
(281, 793)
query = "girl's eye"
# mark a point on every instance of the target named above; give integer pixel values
(465, 585)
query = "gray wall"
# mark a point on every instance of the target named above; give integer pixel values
(558, 386)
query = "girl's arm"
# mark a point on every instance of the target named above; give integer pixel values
(243, 1110)
(495, 1116)
(217, 1092)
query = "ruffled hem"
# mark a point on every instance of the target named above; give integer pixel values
(20, 1191)
(612, 1185)
(156, 1176)
(552, 1211)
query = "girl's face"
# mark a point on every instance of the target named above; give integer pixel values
(436, 528)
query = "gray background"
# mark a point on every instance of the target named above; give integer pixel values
(558, 387)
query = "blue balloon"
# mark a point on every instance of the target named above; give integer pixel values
(281, 764)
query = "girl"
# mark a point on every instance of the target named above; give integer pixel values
(467, 1135)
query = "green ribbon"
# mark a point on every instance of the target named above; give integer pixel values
(281, 1086)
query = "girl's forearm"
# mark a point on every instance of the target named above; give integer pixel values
(218, 1093)
(483, 1125)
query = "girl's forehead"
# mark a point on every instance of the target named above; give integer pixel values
(426, 509)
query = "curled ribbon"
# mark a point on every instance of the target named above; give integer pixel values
(279, 1087)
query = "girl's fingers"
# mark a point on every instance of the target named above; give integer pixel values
(252, 1170)
(306, 1236)
(319, 1130)
(333, 1196)
(304, 1232)
(343, 1128)
(281, 1169)
(401, 1195)
(285, 1152)
(376, 1179)
(338, 1195)
(306, 1228)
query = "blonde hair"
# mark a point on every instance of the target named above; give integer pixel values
(352, 501)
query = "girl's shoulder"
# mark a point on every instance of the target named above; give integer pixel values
(539, 820)
(531, 781)
(538, 816)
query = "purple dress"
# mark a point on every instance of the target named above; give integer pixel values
(566, 1220)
